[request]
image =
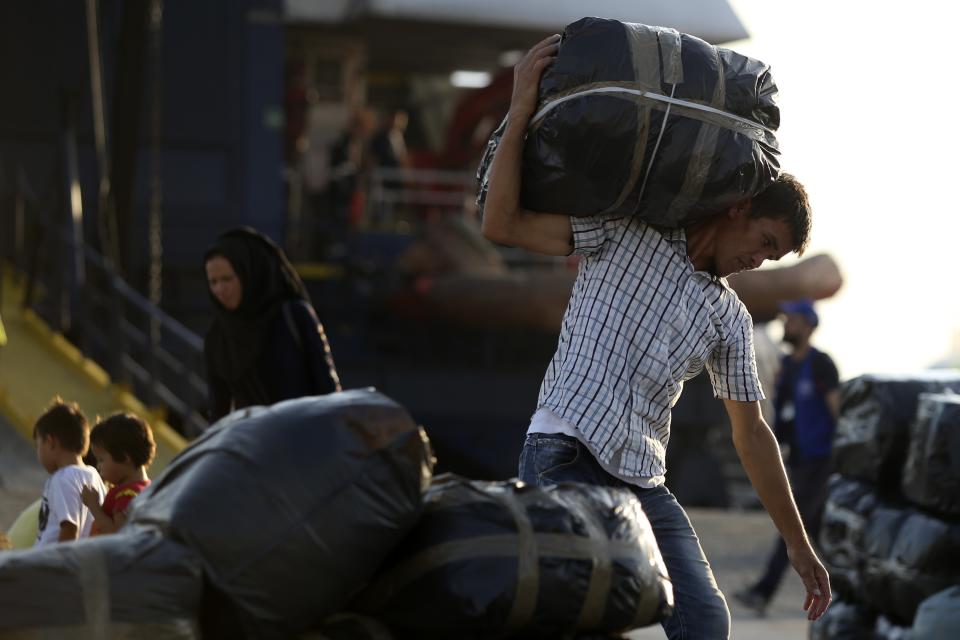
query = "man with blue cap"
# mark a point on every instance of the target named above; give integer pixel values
(807, 404)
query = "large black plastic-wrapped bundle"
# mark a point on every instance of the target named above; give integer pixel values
(887, 630)
(512, 560)
(292, 507)
(135, 585)
(844, 621)
(909, 556)
(938, 617)
(931, 475)
(879, 537)
(925, 559)
(849, 504)
(875, 415)
(640, 120)
(349, 626)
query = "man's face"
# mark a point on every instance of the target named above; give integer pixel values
(796, 329)
(744, 243)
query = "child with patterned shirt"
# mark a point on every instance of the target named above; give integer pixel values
(62, 437)
(123, 446)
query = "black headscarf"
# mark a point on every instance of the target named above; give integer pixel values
(236, 338)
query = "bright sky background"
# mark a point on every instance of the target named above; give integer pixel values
(869, 105)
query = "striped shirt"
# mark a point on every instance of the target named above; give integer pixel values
(640, 322)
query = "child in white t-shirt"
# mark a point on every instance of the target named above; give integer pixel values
(62, 437)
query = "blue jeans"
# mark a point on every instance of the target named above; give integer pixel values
(700, 610)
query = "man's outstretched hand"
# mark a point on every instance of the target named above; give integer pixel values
(815, 580)
(526, 76)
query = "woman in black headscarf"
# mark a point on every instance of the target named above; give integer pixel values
(266, 343)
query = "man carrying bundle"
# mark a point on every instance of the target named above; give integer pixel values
(649, 310)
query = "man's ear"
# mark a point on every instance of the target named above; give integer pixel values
(740, 210)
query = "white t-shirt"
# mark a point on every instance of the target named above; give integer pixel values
(61, 502)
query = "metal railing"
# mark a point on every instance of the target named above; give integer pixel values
(397, 194)
(80, 294)
(406, 197)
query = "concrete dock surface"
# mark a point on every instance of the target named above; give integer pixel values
(21, 476)
(737, 543)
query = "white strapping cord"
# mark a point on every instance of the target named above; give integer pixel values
(656, 147)
(549, 106)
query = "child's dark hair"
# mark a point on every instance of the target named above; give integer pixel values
(65, 422)
(125, 436)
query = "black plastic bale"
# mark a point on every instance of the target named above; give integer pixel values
(640, 120)
(349, 626)
(887, 630)
(939, 615)
(880, 536)
(925, 560)
(849, 504)
(873, 431)
(134, 585)
(908, 556)
(292, 507)
(931, 475)
(512, 560)
(844, 620)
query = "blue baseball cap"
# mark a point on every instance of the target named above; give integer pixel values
(804, 308)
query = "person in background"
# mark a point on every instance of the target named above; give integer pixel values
(266, 343)
(62, 437)
(123, 446)
(807, 405)
(350, 163)
(389, 161)
(389, 146)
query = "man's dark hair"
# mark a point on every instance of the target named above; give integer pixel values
(125, 436)
(65, 422)
(786, 200)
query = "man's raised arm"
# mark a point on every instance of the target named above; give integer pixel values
(504, 221)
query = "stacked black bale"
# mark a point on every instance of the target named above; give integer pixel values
(924, 560)
(912, 554)
(844, 621)
(640, 120)
(884, 553)
(886, 630)
(292, 507)
(349, 626)
(880, 535)
(873, 433)
(845, 517)
(938, 616)
(512, 560)
(135, 585)
(932, 471)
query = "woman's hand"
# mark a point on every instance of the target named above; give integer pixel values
(526, 77)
